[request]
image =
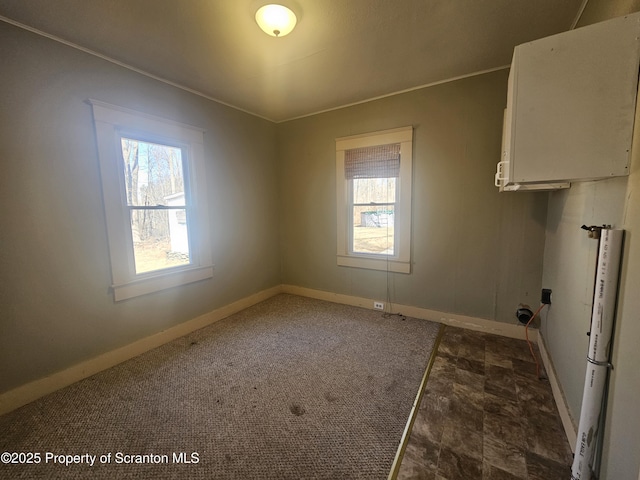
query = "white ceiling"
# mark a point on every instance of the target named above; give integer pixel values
(341, 52)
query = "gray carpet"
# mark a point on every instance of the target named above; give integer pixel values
(291, 388)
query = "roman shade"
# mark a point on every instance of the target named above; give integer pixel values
(379, 161)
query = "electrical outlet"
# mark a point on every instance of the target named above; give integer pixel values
(378, 306)
(546, 296)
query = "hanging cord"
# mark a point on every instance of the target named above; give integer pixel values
(388, 305)
(526, 333)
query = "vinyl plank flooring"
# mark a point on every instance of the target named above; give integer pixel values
(486, 415)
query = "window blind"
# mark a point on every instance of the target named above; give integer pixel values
(380, 161)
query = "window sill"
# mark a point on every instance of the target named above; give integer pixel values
(162, 281)
(372, 263)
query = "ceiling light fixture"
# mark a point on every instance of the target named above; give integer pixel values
(276, 20)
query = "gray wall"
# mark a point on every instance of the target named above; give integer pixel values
(272, 204)
(272, 207)
(56, 309)
(569, 269)
(474, 251)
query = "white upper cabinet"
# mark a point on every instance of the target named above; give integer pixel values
(570, 107)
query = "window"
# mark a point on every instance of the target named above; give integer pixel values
(157, 221)
(373, 178)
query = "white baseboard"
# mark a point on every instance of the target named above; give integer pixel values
(31, 391)
(455, 320)
(471, 323)
(561, 402)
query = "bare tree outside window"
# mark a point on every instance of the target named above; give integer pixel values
(155, 190)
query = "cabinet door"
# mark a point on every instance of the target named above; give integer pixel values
(573, 97)
(504, 170)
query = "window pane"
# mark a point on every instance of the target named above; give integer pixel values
(374, 190)
(373, 229)
(160, 239)
(153, 173)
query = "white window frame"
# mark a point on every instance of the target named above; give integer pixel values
(111, 123)
(401, 260)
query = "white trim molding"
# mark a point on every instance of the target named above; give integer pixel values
(568, 423)
(452, 319)
(400, 262)
(31, 391)
(111, 123)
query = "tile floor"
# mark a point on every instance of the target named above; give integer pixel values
(485, 415)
